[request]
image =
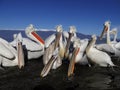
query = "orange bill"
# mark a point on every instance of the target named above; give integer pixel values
(58, 35)
(68, 45)
(72, 62)
(103, 32)
(38, 37)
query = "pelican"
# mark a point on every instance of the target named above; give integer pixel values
(30, 32)
(32, 49)
(52, 42)
(74, 57)
(9, 55)
(113, 45)
(54, 51)
(33, 45)
(78, 55)
(106, 47)
(82, 44)
(114, 32)
(98, 57)
(114, 42)
(71, 35)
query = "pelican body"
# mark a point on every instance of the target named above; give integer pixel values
(113, 45)
(96, 56)
(54, 52)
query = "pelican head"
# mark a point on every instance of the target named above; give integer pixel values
(59, 28)
(106, 28)
(19, 37)
(94, 37)
(31, 33)
(113, 31)
(58, 34)
(29, 29)
(72, 29)
(107, 23)
(14, 36)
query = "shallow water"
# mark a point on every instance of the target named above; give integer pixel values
(84, 78)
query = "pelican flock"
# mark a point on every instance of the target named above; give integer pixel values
(59, 47)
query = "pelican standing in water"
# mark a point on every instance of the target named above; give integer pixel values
(114, 32)
(54, 52)
(38, 42)
(78, 55)
(71, 35)
(113, 45)
(74, 57)
(96, 56)
(33, 47)
(107, 47)
(114, 42)
(9, 55)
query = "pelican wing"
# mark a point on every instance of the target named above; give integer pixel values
(31, 46)
(105, 47)
(117, 45)
(48, 53)
(5, 51)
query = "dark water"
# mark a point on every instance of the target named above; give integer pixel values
(84, 78)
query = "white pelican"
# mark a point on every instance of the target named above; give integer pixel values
(71, 35)
(98, 57)
(105, 47)
(78, 55)
(114, 42)
(54, 51)
(114, 32)
(33, 47)
(9, 55)
(74, 57)
(114, 45)
(30, 32)
(82, 44)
